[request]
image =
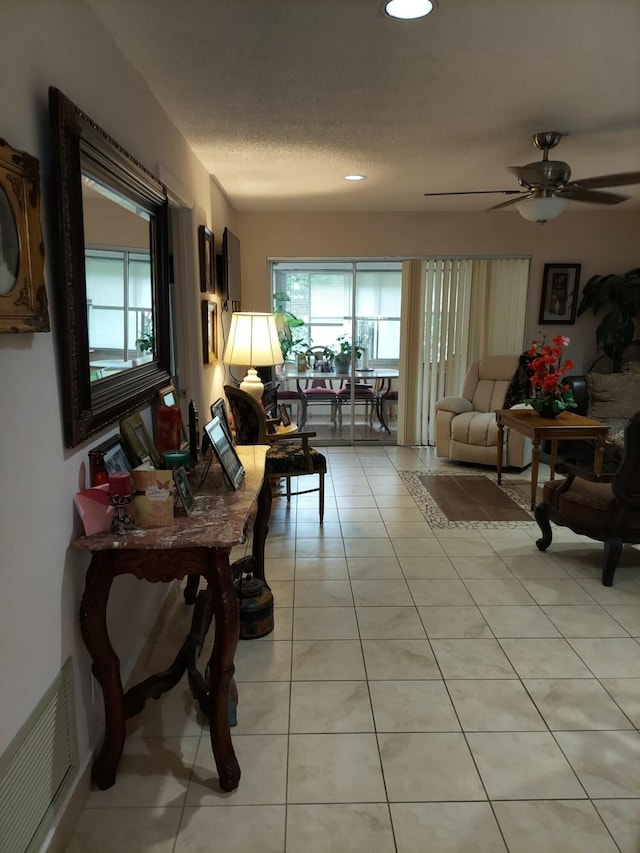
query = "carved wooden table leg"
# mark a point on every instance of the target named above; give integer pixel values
(106, 665)
(500, 450)
(221, 668)
(535, 464)
(191, 589)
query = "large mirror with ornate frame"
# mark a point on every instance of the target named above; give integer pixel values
(113, 288)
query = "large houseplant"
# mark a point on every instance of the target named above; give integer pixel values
(619, 297)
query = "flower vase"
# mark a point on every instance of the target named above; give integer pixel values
(547, 411)
(342, 364)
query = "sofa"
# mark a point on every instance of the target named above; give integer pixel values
(466, 429)
(613, 398)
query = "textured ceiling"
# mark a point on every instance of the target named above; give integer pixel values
(280, 99)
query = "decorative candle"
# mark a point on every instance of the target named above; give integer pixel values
(175, 458)
(120, 483)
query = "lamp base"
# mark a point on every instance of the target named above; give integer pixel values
(252, 384)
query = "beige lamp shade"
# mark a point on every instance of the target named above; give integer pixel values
(253, 340)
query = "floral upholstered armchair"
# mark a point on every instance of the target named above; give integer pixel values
(290, 454)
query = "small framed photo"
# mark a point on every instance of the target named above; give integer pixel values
(168, 396)
(207, 260)
(138, 441)
(225, 451)
(209, 319)
(184, 489)
(219, 410)
(559, 294)
(113, 453)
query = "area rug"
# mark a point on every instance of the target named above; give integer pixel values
(469, 499)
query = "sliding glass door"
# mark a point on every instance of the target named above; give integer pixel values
(340, 326)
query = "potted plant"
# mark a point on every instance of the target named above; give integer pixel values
(342, 358)
(145, 342)
(292, 339)
(550, 395)
(619, 297)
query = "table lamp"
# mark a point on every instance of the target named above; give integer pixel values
(253, 339)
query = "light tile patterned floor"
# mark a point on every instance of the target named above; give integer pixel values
(425, 691)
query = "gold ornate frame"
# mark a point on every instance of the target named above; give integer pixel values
(23, 302)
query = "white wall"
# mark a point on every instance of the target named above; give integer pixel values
(45, 43)
(602, 241)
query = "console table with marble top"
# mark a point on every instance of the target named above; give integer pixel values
(195, 545)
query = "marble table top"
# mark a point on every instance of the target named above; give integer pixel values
(220, 517)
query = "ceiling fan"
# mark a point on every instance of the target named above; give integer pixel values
(547, 187)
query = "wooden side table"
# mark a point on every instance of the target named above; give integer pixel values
(529, 423)
(199, 544)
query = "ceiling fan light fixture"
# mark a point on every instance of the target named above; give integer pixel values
(408, 10)
(542, 208)
(355, 177)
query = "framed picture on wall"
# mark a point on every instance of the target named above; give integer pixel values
(559, 299)
(207, 260)
(209, 318)
(23, 297)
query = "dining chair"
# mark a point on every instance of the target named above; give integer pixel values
(384, 399)
(318, 390)
(290, 454)
(363, 395)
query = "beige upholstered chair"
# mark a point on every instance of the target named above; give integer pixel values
(466, 429)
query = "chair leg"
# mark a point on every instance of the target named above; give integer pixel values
(321, 498)
(381, 417)
(542, 517)
(612, 551)
(288, 481)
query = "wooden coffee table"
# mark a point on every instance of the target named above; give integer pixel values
(567, 425)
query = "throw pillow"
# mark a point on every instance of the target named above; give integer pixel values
(613, 395)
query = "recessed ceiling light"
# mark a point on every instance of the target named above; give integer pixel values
(355, 177)
(407, 10)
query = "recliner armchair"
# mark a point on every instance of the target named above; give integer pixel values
(466, 429)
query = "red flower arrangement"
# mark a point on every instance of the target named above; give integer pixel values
(549, 396)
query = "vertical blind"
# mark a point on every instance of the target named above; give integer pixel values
(473, 308)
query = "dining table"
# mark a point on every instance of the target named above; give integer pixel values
(380, 377)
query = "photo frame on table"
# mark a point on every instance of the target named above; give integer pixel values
(559, 299)
(207, 260)
(23, 297)
(219, 410)
(168, 396)
(209, 317)
(138, 442)
(114, 455)
(183, 488)
(226, 453)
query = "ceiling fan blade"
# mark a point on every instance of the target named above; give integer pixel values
(577, 193)
(521, 197)
(478, 192)
(624, 179)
